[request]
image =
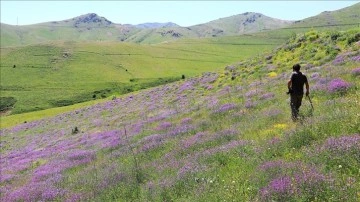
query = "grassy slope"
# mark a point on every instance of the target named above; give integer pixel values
(100, 31)
(219, 136)
(347, 15)
(63, 73)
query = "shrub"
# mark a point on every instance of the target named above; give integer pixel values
(312, 35)
(6, 103)
(75, 130)
(338, 86)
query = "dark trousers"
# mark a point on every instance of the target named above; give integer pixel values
(295, 103)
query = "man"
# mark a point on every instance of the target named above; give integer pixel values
(296, 90)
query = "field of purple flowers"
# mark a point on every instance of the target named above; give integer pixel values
(224, 136)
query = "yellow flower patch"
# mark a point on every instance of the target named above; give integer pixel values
(272, 74)
(280, 126)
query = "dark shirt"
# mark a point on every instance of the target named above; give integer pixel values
(298, 80)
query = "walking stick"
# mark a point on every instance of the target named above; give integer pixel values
(312, 107)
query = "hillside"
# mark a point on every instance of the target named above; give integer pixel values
(91, 27)
(58, 74)
(348, 16)
(245, 23)
(239, 24)
(224, 135)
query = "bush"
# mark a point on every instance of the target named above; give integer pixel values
(7, 103)
(338, 86)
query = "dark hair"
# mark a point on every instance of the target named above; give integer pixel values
(296, 67)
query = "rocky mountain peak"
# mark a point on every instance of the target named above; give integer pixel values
(91, 18)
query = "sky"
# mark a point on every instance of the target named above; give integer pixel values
(183, 13)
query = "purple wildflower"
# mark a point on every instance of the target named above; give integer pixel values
(279, 188)
(340, 59)
(281, 184)
(152, 141)
(212, 102)
(164, 126)
(208, 78)
(250, 104)
(193, 139)
(189, 167)
(338, 86)
(272, 112)
(290, 180)
(180, 130)
(267, 96)
(81, 156)
(315, 75)
(186, 120)
(356, 58)
(343, 144)
(356, 71)
(251, 93)
(186, 86)
(5, 177)
(226, 107)
(275, 168)
(320, 85)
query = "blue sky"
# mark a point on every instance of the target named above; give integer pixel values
(184, 13)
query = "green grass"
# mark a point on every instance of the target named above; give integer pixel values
(59, 74)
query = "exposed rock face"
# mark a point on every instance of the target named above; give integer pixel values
(172, 33)
(252, 18)
(91, 18)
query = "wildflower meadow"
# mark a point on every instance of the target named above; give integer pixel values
(219, 136)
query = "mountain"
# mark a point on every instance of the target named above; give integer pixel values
(87, 20)
(239, 24)
(91, 27)
(154, 25)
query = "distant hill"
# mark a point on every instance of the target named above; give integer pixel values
(91, 27)
(154, 25)
(349, 15)
(239, 24)
(87, 20)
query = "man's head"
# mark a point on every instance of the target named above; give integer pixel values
(296, 67)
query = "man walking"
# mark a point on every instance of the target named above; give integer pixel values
(296, 90)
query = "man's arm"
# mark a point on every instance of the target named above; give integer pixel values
(289, 84)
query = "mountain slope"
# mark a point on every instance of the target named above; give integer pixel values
(225, 135)
(91, 27)
(239, 24)
(50, 75)
(349, 15)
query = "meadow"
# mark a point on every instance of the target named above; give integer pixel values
(57, 74)
(223, 135)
